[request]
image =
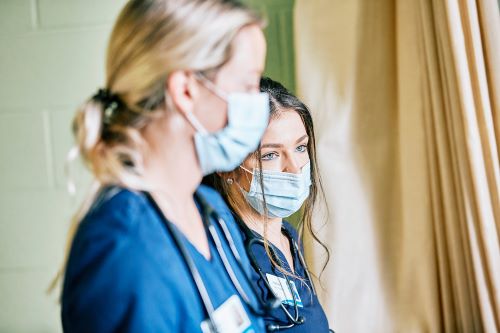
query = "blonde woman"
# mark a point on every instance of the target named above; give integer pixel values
(152, 250)
(276, 181)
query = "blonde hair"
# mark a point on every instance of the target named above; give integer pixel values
(150, 40)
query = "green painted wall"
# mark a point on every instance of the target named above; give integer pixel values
(280, 62)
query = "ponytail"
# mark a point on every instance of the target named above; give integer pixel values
(108, 139)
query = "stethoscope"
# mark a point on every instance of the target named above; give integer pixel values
(207, 212)
(250, 240)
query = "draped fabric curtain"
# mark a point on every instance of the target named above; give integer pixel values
(405, 97)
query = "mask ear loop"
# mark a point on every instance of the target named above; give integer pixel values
(196, 123)
(203, 80)
(250, 172)
(246, 175)
(211, 86)
(193, 120)
(242, 190)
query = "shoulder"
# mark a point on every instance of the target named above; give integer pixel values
(212, 197)
(215, 200)
(115, 239)
(108, 245)
(294, 234)
(114, 207)
(291, 230)
(109, 223)
(108, 232)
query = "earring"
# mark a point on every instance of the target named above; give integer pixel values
(230, 181)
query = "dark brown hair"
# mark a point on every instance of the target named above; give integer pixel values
(280, 100)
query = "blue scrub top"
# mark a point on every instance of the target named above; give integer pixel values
(124, 273)
(312, 311)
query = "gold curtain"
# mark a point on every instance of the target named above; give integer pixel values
(405, 96)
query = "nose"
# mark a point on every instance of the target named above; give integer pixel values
(291, 165)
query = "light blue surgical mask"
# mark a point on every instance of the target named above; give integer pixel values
(284, 192)
(248, 116)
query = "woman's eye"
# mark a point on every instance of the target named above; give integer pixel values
(302, 148)
(269, 156)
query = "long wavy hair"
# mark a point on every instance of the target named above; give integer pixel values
(280, 100)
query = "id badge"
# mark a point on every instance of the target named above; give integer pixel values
(230, 317)
(281, 289)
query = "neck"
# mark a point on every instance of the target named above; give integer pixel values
(268, 227)
(171, 168)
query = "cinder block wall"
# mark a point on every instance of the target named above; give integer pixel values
(52, 55)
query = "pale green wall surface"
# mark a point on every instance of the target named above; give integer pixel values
(51, 59)
(52, 55)
(280, 61)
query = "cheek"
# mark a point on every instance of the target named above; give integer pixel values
(303, 159)
(229, 78)
(244, 179)
(273, 165)
(212, 113)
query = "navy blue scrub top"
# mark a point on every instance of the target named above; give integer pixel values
(124, 273)
(313, 313)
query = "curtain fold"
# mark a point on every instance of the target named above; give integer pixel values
(405, 96)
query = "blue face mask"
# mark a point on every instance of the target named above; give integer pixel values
(248, 116)
(285, 192)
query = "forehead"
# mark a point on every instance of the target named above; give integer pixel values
(248, 53)
(284, 129)
(250, 46)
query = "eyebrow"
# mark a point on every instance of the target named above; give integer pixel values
(277, 145)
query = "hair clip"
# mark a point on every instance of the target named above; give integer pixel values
(110, 102)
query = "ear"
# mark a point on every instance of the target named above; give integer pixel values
(225, 175)
(229, 174)
(182, 88)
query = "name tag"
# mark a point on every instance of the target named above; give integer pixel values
(282, 290)
(230, 317)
